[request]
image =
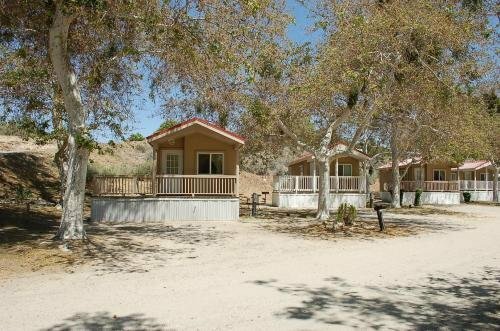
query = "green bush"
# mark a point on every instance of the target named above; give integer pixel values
(136, 137)
(418, 195)
(346, 213)
(23, 194)
(467, 196)
(167, 124)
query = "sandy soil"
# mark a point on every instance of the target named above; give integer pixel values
(251, 275)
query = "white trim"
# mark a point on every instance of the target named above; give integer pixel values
(210, 165)
(209, 127)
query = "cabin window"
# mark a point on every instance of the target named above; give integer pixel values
(483, 177)
(345, 169)
(210, 163)
(453, 176)
(468, 175)
(439, 175)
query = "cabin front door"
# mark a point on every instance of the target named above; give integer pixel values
(173, 161)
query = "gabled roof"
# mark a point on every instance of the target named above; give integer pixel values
(196, 121)
(306, 156)
(403, 163)
(473, 165)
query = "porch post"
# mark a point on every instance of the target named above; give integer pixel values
(337, 175)
(475, 185)
(237, 172)
(314, 176)
(153, 177)
(458, 179)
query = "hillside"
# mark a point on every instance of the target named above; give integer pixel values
(28, 165)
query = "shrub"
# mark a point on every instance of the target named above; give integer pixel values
(346, 213)
(467, 196)
(418, 195)
(136, 137)
(23, 194)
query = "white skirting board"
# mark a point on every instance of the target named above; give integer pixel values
(478, 196)
(427, 198)
(162, 209)
(310, 200)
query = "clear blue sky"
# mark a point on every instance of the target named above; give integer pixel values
(146, 111)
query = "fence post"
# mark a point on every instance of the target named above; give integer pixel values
(296, 183)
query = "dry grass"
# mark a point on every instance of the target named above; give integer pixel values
(424, 211)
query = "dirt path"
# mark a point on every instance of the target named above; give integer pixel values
(244, 276)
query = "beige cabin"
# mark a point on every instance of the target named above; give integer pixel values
(428, 176)
(345, 172)
(196, 157)
(299, 188)
(193, 158)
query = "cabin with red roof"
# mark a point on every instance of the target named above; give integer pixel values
(195, 176)
(441, 182)
(299, 188)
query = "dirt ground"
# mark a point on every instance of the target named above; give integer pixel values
(433, 267)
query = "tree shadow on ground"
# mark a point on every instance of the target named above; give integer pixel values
(302, 223)
(443, 302)
(142, 247)
(106, 321)
(19, 227)
(110, 248)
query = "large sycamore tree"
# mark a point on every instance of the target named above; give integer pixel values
(428, 56)
(73, 66)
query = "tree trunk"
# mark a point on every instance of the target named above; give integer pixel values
(72, 216)
(395, 182)
(495, 185)
(61, 156)
(323, 212)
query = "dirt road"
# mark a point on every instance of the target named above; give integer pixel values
(241, 276)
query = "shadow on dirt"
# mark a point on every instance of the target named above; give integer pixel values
(142, 247)
(109, 248)
(441, 302)
(302, 223)
(106, 321)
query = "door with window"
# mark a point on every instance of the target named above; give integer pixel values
(172, 164)
(418, 174)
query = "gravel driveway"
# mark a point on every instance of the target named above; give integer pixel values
(240, 275)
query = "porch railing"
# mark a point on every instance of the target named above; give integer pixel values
(196, 185)
(478, 185)
(430, 186)
(122, 185)
(165, 185)
(310, 184)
